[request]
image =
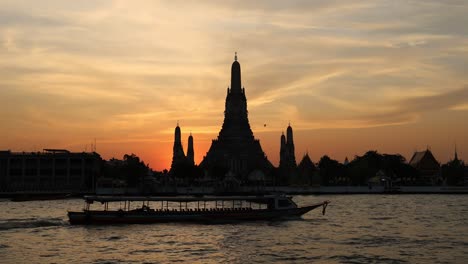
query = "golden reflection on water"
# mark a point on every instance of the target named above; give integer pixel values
(356, 228)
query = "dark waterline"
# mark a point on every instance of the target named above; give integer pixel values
(355, 229)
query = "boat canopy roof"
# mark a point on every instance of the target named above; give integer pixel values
(257, 199)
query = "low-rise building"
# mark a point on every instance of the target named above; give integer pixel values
(428, 167)
(52, 170)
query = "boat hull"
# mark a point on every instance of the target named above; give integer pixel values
(215, 216)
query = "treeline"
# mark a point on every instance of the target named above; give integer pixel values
(130, 170)
(363, 168)
(393, 167)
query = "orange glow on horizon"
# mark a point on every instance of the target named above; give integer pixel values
(376, 76)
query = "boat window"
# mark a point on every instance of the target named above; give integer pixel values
(284, 203)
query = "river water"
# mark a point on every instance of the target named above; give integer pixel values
(355, 229)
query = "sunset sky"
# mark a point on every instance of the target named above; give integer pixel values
(390, 76)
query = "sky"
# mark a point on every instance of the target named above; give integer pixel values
(390, 76)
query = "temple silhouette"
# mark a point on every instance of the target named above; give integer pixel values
(236, 151)
(182, 164)
(236, 157)
(178, 155)
(287, 170)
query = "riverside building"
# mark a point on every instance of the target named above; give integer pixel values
(52, 170)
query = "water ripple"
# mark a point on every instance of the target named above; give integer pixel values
(358, 258)
(356, 229)
(112, 238)
(31, 223)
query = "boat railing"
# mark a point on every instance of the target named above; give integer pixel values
(190, 210)
(182, 206)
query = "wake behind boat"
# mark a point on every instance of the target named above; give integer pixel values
(39, 197)
(119, 210)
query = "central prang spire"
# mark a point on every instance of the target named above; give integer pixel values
(235, 150)
(236, 85)
(236, 102)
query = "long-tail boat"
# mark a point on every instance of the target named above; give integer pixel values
(139, 210)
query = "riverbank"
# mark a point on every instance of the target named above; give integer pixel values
(319, 190)
(243, 190)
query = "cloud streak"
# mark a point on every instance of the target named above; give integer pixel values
(114, 69)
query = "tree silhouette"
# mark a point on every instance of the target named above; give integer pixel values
(330, 170)
(131, 169)
(362, 168)
(453, 171)
(134, 169)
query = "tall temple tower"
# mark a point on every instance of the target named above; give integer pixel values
(235, 150)
(287, 152)
(283, 152)
(178, 156)
(290, 146)
(287, 167)
(190, 153)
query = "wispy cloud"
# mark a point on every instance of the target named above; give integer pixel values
(70, 71)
